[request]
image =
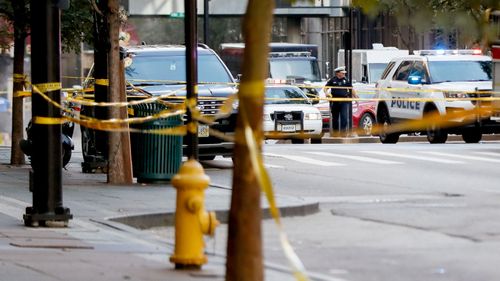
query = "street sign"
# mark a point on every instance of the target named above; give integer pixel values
(177, 15)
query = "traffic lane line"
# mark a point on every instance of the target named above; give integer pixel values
(305, 160)
(358, 158)
(467, 157)
(416, 157)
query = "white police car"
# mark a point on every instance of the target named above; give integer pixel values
(443, 82)
(288, 114)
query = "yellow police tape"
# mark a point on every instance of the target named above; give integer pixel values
(115, 124)
(265, 181)
(19, 78)
(22, 94)
(48, 87)
(101, 82)
(48, 120)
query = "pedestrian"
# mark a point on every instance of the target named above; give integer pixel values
(339, 86)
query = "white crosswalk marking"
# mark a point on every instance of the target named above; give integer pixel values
(305, 160)
(358, 158)
(266, 165)
(413, 156)
(467, 157)
(494, 154)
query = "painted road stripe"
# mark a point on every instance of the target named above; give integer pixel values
(305, 160)
(266, 165)
(494, 154)
(358, 158)
(416, 157)
(467, 157)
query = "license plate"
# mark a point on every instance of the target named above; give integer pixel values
(288, 128)
(203, 131)
(495, 117)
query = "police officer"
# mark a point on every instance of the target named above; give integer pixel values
(340, 87)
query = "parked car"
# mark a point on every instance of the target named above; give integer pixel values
(363, 114)
(289, 114)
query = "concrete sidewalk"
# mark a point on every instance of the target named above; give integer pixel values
(100, 243)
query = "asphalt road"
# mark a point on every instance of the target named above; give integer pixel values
(410, 211)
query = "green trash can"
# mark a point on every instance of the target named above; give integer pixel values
(156, 158)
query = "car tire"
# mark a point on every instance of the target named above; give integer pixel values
(298, 141)
(436, 134)
(317, 139)
(384, 121)
(207, 157)
(66, 155)
(472, 135)
(365, 124)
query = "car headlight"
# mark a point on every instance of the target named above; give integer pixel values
(355, 106)
(455, 95)
(235, 105)
(267, 117)
(312, 116)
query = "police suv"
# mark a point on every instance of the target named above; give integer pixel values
(436, 81)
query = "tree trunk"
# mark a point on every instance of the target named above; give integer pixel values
(244, 249)
(17, 156)
(119, 155)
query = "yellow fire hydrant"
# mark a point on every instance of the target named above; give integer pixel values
(192, 221)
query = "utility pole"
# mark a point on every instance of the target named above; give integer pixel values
(101, 50)
(206, 14)
(46, 159)
(191, 73)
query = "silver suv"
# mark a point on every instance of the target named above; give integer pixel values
(412, 87)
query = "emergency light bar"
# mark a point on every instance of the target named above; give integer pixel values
(448, 52)
(289, 54)
(280, 81)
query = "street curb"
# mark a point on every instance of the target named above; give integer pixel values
(150, 220)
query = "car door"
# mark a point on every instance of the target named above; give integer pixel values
(398, 89)
(415, 95)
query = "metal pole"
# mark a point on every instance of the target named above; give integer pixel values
(349, 67)
(205, 21)
(191, 73)
(46, 160)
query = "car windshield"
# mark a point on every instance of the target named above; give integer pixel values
(172, 69)
(460, 71)
(376, 70)
(285, 95)
(299, 69)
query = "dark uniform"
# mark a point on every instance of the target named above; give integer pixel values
(339, 109)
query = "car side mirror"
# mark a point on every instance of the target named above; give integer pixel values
(414, 80)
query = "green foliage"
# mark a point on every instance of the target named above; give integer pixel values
(470, 17)
(76, 25)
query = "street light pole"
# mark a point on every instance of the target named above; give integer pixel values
(191, 75)
(46, 173)
(205, 21)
